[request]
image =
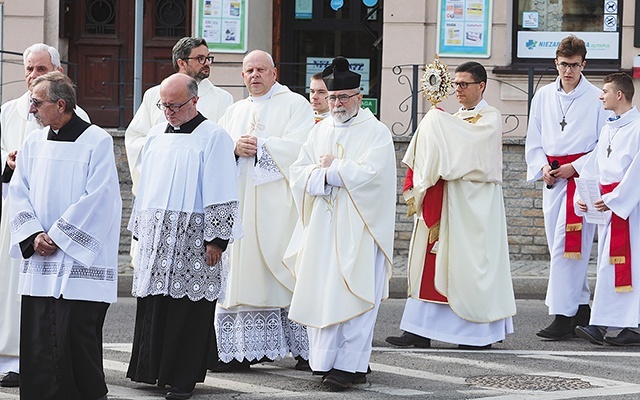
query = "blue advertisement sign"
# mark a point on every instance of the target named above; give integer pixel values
(464, 28)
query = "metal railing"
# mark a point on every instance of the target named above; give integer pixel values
(408, 76)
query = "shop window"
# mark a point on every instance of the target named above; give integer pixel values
(539, 25)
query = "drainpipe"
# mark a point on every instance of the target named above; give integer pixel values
(137, 57)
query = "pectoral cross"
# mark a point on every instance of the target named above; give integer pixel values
(563, 123)
(609, 150)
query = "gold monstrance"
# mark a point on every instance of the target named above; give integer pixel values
(436, 82)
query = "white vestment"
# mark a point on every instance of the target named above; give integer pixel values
(472, 262)
(212, 103)
(69, 190)
(187, 195)
(343, 264)
(259, 285)
(585, 116)
(15, 123)
(610, 308)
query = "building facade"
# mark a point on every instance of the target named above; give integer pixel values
(388, 41)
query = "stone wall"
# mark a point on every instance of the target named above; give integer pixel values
(523, 202)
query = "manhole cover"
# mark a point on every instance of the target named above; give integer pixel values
(529, 382)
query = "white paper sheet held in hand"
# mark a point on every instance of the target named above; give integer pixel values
(589, 192)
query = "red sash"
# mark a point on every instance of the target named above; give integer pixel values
(573, 223)
(619, 247)
(431, 212)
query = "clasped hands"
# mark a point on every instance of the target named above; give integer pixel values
(43, 244)
(246, 146)
(326, 160)
(550, 176)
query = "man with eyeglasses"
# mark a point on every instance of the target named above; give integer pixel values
(344, 186)
(190, 56)
(268, 127)
(16, 123)
(460, 288)
(185, 214)
(65, 225)
(564, 123)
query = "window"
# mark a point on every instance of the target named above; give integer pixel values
(539, 25)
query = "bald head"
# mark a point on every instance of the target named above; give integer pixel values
(178, 97)
(258, 72)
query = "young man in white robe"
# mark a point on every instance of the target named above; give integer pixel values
(65, 224)
(615, 165)
(268, 128)
(344, 185)
(190, 56)
(564, 123)
(16, 123)
(459, 274)
(318, 97)
(184, 216)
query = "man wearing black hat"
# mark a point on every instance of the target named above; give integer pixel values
(344, 185)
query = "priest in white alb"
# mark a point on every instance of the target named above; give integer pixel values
(344, 184)
(65, 224)
(615, 166)
(268, 127)
(459, 274)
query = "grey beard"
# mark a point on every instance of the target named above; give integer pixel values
(342, 115)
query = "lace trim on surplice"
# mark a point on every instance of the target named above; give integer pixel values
(171, 252)
(20, 219)
(79, 236)
(257, 334)
(75, 270)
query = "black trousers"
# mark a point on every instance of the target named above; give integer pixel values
(172, 341)
(61, 349)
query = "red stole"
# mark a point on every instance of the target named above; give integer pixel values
(431, 213)
(619, 247)
(573, 222)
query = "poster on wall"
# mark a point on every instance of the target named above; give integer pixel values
(223, 24)
(464, 28)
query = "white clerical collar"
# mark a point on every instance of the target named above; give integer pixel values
(623, 119)
(482, 104)
(580, 88)
(276, 86)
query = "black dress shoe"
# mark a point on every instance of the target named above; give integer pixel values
(581, 318)
(409, 339)
(626, 337)
(338, 380)
(591, 333)
(471, 347)
(232, 366)
(175, 393)
(560, 329)
(302, 364)
(11, 379)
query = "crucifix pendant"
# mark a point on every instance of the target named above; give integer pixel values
(608, 150)
(563, 123)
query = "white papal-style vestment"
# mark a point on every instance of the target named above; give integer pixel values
(584, 116)
(212, 103)
(260, 286)
(613, 307)
(343, 264)
(466, 296)
(15, 124)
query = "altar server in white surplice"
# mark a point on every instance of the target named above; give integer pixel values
(564, 124)
(190, 56)
(65, 224)
(344, 184)
(459, 274)
(269, 127)
(16, 123)
(615, 165)
(184, 216)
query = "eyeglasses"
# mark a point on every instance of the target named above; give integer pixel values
(171, 107)
(38, 103)
(464, 85)
(564, 66)
(343, 97)
(201, 59)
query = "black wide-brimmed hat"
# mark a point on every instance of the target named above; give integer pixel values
(338, 77)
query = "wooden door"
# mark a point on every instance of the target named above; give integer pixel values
(101, 43)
